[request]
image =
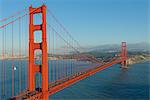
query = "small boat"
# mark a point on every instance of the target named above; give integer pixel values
(15, 68)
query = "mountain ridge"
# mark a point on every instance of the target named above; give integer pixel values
(144, 47)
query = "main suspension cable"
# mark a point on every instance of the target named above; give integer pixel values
(12, 16)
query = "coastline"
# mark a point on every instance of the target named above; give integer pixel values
(137, 59)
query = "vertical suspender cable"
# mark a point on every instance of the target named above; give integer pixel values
(3, 87)
(65, 71)
(27, 45)
(64, 63)
(73, 58)
(53, 56)
(67, 62)
(49, 62)
(70, 50)
(19, 55)
(12, 61)
(70, 58)
(66, 59)
(4, 61)
(25, 67)
(54, 64)
(21, 51)
(56, 56)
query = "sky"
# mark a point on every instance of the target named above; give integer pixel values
(94, 22)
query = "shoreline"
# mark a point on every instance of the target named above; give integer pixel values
(137, 59)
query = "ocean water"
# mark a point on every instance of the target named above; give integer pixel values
(112, 83)
(57, 70)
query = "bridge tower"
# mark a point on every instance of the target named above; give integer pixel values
(34, 68)
(123, 55)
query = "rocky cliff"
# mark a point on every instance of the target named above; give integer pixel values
(138, 58)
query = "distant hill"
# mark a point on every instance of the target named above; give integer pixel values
(144, 47)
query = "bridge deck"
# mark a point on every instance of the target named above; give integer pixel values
(65, 82)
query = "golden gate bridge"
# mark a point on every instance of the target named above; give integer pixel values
(45, 59)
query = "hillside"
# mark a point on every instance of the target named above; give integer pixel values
(138, 58)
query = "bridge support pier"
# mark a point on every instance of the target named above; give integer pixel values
(124, 55)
